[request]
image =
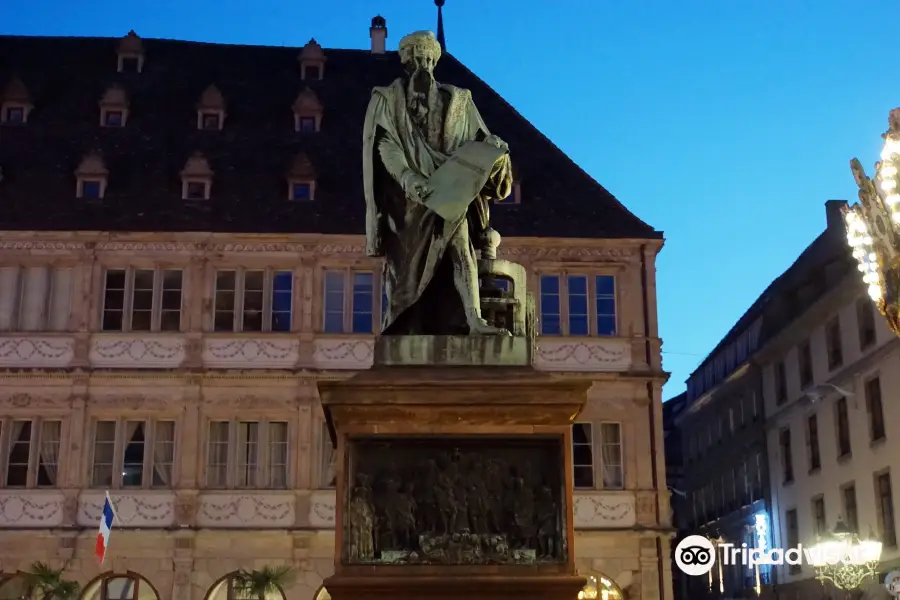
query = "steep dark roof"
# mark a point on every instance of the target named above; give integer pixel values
(66, 77)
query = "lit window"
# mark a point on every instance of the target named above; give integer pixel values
(259, 458)
(114, 118)
(15, 115)
(253, 300)
(611, 456)
(133, 454)
(142, 300)
(306, 124)
(349, 302)
(91, 189)
(210, 120)
(301, 191)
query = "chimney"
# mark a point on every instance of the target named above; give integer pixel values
(834, 215)
(378, 34)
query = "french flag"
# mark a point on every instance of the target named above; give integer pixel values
(106, 522)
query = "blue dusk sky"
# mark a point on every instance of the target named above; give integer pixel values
(724, 123)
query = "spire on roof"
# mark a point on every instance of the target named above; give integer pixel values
(440, 29)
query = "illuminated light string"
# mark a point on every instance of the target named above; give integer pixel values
(860, 240)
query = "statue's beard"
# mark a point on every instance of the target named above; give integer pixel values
(421, 83)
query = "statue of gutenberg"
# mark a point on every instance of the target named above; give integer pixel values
(412, 127)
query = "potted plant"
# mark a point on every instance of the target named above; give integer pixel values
(45, 583)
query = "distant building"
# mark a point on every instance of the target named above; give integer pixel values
(724, 475)
(831, 373)
(182, 260)
(672, 408)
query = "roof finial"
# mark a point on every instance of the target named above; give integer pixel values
(440, 29)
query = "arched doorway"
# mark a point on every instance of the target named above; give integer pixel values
(223, 589)
(600, 587)
(119, 586)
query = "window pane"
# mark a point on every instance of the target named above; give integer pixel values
(550, 320)
(334, 302)
(247, 454)
(225, 282)
(253, 300)
(142, 300)
(163, 454)
(578, 305)
(278, 454)
(19, 451)
(48, 453)
(611, 450)
(104, 450)
(170, 314)
(133, 460)
(120, 588)
(606, 304)
(582, 455)
(217, 454)
(113, 300)
(282, 300)
(363, 298)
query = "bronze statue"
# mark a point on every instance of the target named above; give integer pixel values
(413, 127)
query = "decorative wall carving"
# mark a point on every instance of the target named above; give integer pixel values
(343, 353)
(249, 402)
(134, 509)
(23, 400)
(569, 354)
(136, 351)
(596, 510)
(322, 509)
(251, 352)
(32, 508)
(46, 245)
(250, 509)
(36, 352)
(186, 510)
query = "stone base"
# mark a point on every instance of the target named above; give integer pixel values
(455, 587)
(453, 351)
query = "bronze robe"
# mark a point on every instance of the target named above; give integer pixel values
(418, 276)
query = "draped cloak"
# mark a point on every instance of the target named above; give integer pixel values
(413, 238)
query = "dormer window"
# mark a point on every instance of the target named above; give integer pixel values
(91, 177)
(211, 109)
(301, 180)
(312, 61)
(209, 121)
(196, 190)
(91, 189)
(515, 196)
(15, 115)
(196, 178)
(301, 191)
(15, 103)
(307, 112)
(114, 108)
(113, 118)
(130, 54)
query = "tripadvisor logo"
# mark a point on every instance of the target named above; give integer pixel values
(696, 555)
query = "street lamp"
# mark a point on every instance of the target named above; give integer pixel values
(845, 559)
(873, 225)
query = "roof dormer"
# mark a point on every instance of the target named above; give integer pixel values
(301, 179)
(211, 110)
(91, 177)
(196, 178)
(307, 112)
(15, 104)
(312, 61)
(131, 54)
(114, 107)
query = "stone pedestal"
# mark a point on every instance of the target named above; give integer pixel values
(455, 474)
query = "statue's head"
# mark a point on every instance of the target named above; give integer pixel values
(419, 51)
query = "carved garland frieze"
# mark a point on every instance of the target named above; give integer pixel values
(245, 510)
(36, 352)
(132, 510)
(249, 402)
(24, 400)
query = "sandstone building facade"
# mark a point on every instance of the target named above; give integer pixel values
(181, 260)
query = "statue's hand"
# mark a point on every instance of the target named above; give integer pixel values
(496, 142)
(415, 186)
